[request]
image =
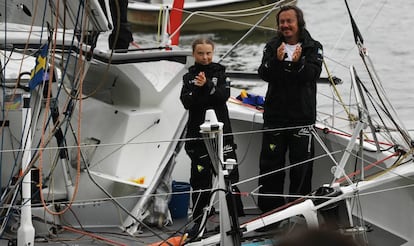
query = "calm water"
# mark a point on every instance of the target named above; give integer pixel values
(385, 26)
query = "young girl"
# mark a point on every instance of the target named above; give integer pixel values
(206, 86)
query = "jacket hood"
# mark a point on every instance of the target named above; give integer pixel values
(209, 67)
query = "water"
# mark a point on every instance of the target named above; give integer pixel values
(384, 25)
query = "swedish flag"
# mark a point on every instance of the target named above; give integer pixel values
(39, 72)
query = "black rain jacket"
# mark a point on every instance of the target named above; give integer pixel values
(291, 94)
(213, 95)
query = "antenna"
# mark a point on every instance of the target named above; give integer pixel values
(357, 34)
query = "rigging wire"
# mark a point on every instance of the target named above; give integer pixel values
(8, 195)
(219, 18)
(359, 41)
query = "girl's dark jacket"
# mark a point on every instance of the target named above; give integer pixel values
(291, 94)
(213, 95)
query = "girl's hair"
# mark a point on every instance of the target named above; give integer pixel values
(299, 16)
(202, 41)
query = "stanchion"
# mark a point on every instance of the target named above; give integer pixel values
(26, 231)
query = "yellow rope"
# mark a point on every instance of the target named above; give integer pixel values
(160, 14)
(350, 115)
(395, 165)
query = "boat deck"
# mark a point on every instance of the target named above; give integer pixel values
(116, 236)
(155, 235)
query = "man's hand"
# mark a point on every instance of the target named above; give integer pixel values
(296, 54)
(280, 53)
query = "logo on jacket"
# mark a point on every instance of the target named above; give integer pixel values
(214, 80)
(320, 54)
(228, 81)
(304, 131)
(320, 51)
(227, 148)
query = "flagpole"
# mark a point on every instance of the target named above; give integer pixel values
(26, 231)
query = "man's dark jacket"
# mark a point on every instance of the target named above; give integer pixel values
(291, 94)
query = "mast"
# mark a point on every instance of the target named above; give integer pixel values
(359, 41)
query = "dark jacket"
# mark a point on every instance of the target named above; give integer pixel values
(213, 95)
(291, 94)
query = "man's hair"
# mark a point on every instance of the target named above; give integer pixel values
(299, 16)
(202, 41)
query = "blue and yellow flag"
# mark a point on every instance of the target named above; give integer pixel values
(39, 73)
